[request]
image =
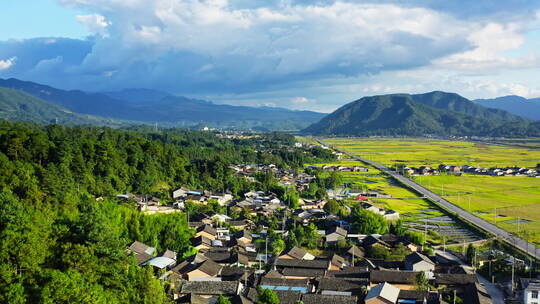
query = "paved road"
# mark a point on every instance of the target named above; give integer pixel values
(465, 215)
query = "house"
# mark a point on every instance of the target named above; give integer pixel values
(341, 286)
(334, 234)
(244, 237)
(207, 289)
(240, 224)
(370, 207)
(142, 252)
(222, 198)
(299, 285)
(531, 290)
(325, 299)
(302, 273)
(206, 231)
(138, 247)
(337, 262)
(160, 262)
(400, 279)
(180, 192)
(169, 254)
(220, 256)
(419, 262)
(374, 240)
(391, 215)
(201, 243)
(196, 271)
(298, 254)
(301, 266)
(384, 293)
(355, 252)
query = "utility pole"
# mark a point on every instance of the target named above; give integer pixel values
(266, 248)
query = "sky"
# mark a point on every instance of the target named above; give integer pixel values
(300, 54)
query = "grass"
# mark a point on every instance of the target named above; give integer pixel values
(514, 197)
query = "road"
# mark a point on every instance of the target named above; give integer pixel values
(463, 214)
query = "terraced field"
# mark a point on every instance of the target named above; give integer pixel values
(512, 202)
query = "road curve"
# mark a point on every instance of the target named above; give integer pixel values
(511, 239)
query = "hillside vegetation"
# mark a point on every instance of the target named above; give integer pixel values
(436, 113)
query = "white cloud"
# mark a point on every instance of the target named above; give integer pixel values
(7, 63)
(95, 23)
(300, 100)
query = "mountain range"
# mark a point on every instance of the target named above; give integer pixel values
(436, 113)
(148, 106)
(529, 108)
(19, 106)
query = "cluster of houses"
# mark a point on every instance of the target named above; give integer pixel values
(507, 171)
(285, 177)
(230, 264)
(344, 169)
(457, 170)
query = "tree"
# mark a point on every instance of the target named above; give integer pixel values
(367, 222)
(267, 296)
(421, 281)
(277, 245)
(332, 207)
(378, 252)
(471, 254)
(222, 300)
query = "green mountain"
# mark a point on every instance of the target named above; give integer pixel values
(19, 106)
(435, 113)
(148, 106)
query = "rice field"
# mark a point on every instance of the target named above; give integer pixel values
(512, 202)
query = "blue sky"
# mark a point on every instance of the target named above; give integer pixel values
(300, 54)
(39, 18)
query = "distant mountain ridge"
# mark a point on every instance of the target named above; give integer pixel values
(19, 106)
(518, 105)
(149, 106)
(434, 113)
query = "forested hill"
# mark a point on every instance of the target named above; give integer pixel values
(147, 106)
(63, 234)
(436, 113)
(19, 106)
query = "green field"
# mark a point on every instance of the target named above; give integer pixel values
(432, 152)
(513, 199)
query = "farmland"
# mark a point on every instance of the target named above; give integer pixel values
(511, 202)
(432, 152)
(414, 210)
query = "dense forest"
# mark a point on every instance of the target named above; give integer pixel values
(63, 234)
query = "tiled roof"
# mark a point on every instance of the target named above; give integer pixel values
(326, 299)
(317, 264)
(392, 276)
(303, 272)
(227, 288)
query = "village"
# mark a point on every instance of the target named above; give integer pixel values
(302, 252)
(468, 169)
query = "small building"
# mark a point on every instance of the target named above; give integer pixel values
(531, 290)
(384, 293)
(297, 254)
(334, 234)
(419, 262)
